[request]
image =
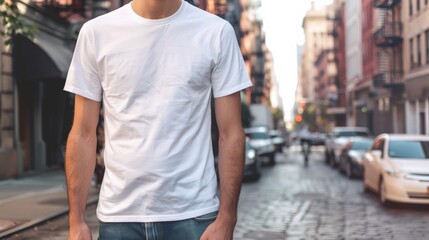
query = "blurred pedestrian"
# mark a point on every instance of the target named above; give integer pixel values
(304, 136)
(156, 64)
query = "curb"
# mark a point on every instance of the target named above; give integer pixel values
(34, 222)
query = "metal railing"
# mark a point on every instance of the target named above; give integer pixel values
(386, 3)
(390, 34)
(388, 78)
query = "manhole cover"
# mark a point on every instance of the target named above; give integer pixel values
(6, 224)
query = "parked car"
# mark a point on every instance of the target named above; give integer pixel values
(397, 168)
(317, 139)
(252, 168)
(278, 140)
(351, 158)
(252, 164)
(261, 141)
(337, 139)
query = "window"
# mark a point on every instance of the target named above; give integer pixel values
(427, 46)
(401, 59)
(409, 149)
(411, 53)
(418, 5)
(426, 2)
(410, 6)
(419, 51)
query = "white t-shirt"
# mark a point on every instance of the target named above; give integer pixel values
(156, 78)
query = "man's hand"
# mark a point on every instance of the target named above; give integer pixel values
(220, 229)
(80, 232)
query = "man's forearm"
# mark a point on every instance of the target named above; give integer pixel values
(80, 164)
(231, 167)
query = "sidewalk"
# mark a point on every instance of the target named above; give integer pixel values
(31, 200)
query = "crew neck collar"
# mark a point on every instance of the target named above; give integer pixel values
(160, 21)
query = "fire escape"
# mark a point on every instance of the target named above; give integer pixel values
(336, 21)
(388, 39)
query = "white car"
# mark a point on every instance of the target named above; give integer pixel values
(397, 168)
(261, 141)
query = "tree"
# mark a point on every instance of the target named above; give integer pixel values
(277, 117)
(12, 23)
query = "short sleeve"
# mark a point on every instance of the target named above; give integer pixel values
(83, 77)
(229, 74)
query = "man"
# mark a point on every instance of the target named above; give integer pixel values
(155, 65)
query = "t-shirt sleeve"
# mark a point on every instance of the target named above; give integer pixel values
(83, 77)
(229, 74)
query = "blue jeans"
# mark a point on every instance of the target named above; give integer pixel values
(189, 229)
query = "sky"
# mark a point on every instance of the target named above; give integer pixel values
(282, 22)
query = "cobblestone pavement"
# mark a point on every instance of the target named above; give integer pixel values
(293, 202)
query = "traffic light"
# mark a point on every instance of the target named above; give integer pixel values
(298, 118)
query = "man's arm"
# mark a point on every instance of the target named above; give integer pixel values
(231, 166)
(80, 163)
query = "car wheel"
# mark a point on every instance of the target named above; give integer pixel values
(382, 194)
(272, 159)
(333, 163)
(327, 157)
(340, 166)
(349, 169)
(257, 173)
(366, 188)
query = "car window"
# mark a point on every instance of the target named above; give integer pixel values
(361, 144)
(409, 149)
(351, 134)
(258, 135)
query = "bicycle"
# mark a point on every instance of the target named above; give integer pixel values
(306, 149)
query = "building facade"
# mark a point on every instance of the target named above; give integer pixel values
(325, 87)
(415, 20)
(254, 52)
(337, 101)
(35, 112)
(353, 45)
(315, 25)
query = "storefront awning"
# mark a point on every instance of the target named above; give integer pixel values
(46, 58)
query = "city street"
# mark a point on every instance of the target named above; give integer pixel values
(292, 202)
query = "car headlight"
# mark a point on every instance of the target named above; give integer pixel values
(396, 174)
(250, 158)
(251, 154)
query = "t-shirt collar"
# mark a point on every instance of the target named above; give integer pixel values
(161, 21)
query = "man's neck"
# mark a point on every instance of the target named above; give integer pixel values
(155, 9)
